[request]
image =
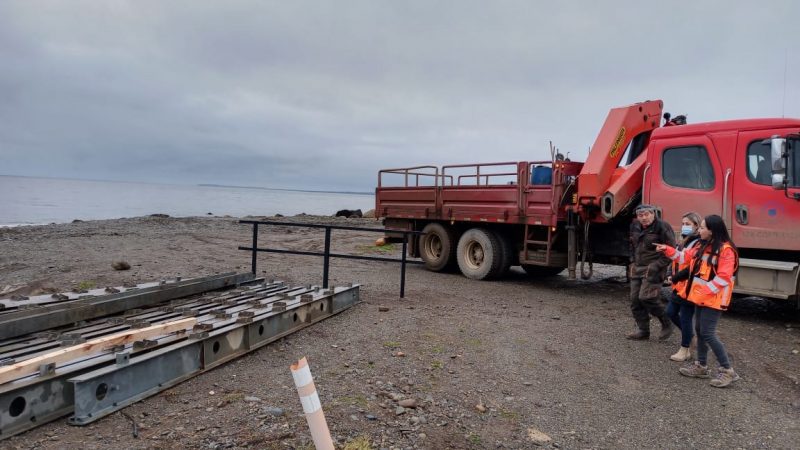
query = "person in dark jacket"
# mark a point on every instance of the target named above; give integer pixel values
(648, 270)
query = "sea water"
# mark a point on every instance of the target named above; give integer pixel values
(32, 201)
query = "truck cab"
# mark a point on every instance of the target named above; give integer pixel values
(726, 168)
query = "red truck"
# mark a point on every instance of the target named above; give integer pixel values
(554, 214)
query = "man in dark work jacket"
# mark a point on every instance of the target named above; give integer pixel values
(648, 270)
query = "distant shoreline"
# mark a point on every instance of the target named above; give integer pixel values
(99, 180)
(33, 200)
(287, 190)
(157, 216)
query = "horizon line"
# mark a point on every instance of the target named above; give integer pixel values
(189, 184)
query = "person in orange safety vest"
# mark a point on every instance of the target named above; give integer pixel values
(680, 310)
(710, 277)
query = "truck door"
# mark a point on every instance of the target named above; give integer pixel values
(763, 217)
(684, 174)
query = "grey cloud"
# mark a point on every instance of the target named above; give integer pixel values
(323, 94)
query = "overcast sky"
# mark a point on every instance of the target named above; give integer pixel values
(322, 94)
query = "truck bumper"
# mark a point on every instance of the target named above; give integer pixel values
(772, 279)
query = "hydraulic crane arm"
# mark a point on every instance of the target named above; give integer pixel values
(601, 170)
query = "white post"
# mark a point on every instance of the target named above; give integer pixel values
(311, 405)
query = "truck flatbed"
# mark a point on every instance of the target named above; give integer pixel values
(505, 192)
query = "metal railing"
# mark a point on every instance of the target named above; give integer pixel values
(409, 173)
(475, 171)
(326, 254)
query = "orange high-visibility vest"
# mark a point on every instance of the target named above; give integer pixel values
(679, 264)
(712, 281)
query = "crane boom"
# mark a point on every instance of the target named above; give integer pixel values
(601, 169)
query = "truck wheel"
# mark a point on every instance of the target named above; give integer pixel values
(541, 271)
(507, 254)
(479, 254)
(437, 247)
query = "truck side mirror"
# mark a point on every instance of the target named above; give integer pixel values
(778, 154)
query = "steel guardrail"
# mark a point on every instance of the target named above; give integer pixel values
(327, 255)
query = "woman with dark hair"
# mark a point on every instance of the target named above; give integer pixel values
(680, 310)
(711, 271)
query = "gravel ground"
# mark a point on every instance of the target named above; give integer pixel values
(517, 363)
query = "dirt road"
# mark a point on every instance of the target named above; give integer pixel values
(515, 363)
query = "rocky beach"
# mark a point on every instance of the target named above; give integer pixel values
(514, 363)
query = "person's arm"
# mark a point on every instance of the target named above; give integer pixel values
(681, 256)
(667, 236)
(726, 267)
(633, 235)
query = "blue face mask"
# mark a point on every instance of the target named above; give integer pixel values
(686, 230)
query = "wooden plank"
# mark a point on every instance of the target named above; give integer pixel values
(31, 366)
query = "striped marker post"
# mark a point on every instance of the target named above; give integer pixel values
(311, 405)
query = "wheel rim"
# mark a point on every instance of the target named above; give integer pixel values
(474, 255)
(433, 246)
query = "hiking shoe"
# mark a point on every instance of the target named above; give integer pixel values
(639, 335)
(683, 354)
(695, 370)
(724, 377)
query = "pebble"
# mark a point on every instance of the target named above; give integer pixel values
(209, 409)
(422, 435)
(537, 437)
(400, 411)
(252, 399)
(370, 417)
(408, 403)
(383, 308)
(277, 412)
(400, 354)
(354, 417)
(480, 407)
(795, 351)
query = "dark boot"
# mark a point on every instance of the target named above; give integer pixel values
(666, 328)
(639, 335)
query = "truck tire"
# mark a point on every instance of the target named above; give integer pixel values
(479, 254)
(541, 271)
(507, 254)
(437, 247)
